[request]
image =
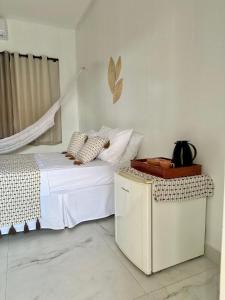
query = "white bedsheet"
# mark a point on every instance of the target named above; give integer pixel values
(59, 173)
(71, 194)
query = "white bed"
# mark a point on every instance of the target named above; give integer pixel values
(72, 194)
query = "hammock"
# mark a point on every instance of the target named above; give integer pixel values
(30, 133)
(35, 130)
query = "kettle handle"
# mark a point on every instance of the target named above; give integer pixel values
(195, 151)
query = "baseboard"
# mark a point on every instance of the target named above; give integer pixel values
(213, 254)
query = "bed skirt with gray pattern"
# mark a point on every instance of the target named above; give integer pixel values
(19, 191)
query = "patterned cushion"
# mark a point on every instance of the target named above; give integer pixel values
(77, 141)
(91, 149)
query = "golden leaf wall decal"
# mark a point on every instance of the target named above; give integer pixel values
(116, 86)
(118, 90)
(112, 74)
(118, 68)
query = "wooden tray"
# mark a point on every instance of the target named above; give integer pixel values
(166, 173)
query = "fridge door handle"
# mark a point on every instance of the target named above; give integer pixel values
(125, 190)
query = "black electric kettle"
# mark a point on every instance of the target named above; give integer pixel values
(182, 154)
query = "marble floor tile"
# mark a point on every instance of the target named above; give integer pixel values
(160, 294)
(160, 279)
(196, 266)
(85, 263)
(204, 286)
(66, 265)
(108, 225)
(3, 265)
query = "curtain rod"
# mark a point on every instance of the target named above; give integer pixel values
(34, 56)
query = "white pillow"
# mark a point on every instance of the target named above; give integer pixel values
(105, 131)
(91, 133)
(108, 132)
(132, 148)
(119, 140)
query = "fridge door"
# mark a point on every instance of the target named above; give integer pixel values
(133, 220)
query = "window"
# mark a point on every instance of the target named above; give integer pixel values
(29, 86)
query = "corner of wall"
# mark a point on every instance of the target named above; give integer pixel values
(213, 254)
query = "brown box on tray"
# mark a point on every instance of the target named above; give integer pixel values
(164, 172)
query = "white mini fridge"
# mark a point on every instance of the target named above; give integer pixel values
(155, 235)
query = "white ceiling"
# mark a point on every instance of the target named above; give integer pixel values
(63, 13)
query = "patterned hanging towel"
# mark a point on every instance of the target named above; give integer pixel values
(176, 189)
(19, 190)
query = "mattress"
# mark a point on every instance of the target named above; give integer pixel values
(71, 194)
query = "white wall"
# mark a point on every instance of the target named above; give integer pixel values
(173, 56)
(222, 265)
(26, 37)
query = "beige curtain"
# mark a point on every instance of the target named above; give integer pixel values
(6, 105)
(34, 88)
